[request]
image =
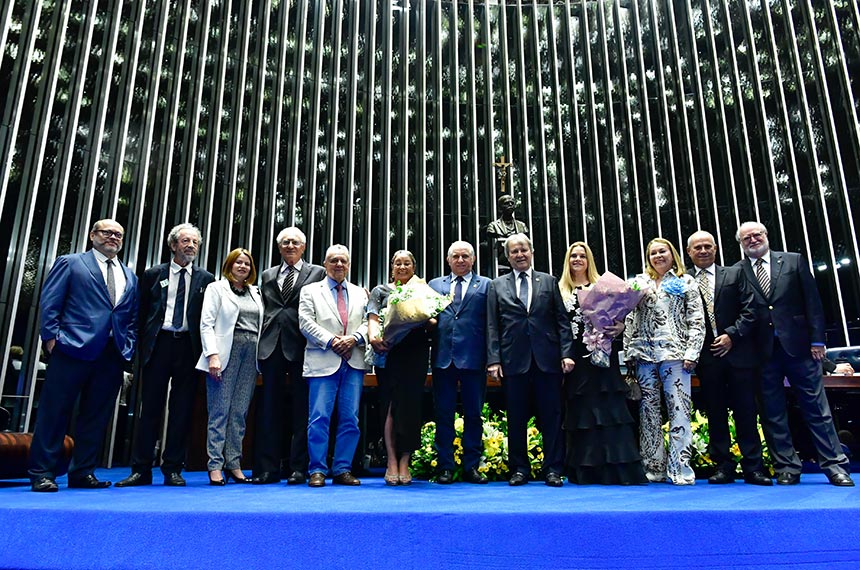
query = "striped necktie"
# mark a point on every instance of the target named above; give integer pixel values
(289, 281)
(762, 276)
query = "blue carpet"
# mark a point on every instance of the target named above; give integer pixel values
(811, 526)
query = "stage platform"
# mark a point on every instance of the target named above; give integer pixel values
(239, 527)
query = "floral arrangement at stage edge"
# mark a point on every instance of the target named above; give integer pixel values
(494, 459)
(700, 461)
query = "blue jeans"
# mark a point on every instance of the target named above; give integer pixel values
(344, 386)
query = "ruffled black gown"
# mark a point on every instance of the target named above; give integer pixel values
(600, 432)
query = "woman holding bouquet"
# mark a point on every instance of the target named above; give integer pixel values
(662, 340)
(601, 437)
(401, 374)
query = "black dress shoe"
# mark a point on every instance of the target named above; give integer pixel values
(172, 480)
(296, 478)
(474, 476)
(317, 480)
(758, 478)
(136, 480)
(266, 478)
(236, 478)
(554, 480)
(721, 477)
(445, 477)
(518, 479)
(44, 485)
(788, 478)
(217, 482)
(88, 482)
(841, 480)
(346, 478)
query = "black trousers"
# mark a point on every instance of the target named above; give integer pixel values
(97, 383)
(725, 387)
(804, 375)
(546, 388)
(171, 364)
(272, 408)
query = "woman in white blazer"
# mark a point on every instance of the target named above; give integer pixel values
(230, 330)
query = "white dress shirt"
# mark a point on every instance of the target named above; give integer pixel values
(118, 274)
(172, 285)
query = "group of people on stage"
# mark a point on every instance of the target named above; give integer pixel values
(742, 329)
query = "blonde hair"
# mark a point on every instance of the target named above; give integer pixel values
(566, 282)
(678, 265)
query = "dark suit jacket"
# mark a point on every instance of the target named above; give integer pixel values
(281, 320)
(153, 302)
(793, 310)
(735, 316)
(77, 312)
(460, 337)
(515, 335)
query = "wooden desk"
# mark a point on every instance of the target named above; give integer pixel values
(830, 382)
(371, 382)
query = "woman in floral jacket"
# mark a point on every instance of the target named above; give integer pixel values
(662, 340)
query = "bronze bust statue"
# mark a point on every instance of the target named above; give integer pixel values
(502, 228)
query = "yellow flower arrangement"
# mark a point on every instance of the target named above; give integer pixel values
(701, 460)
(494, 457)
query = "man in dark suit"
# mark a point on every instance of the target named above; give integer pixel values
(790, 318)
(281, 350)
(89, 310)
(460, 354)
(171, 297)
(729, 364)
(529, 346)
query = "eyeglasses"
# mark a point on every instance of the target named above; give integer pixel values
(293, 242)
(110, 234)
(753, 236)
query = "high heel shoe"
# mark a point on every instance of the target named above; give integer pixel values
(219, 482)
(237, 479)
(392, 479)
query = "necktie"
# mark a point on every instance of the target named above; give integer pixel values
(708, 296)
(111, 283)
(762, 276)
(341, 306)
(289, 281)
(179, 305)
(524, 289)
(458, 293)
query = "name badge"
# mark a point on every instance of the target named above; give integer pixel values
(165, 282)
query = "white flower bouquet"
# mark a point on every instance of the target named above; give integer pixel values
(410, 306)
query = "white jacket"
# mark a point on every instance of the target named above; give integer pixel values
(320, 322)
(218, 320)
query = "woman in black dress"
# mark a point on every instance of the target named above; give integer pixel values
(401, 374)
(600, 432)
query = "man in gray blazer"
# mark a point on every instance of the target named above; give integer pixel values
(332, 316)
(529, 346)
(280, 352)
